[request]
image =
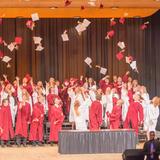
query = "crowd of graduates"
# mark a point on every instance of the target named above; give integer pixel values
(114, 102)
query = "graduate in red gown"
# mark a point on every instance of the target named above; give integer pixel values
(104, 83)
(23, 120)
(135, 114)
(65, 98)
(95, 114)
(115, 116)
(36, 126)
(6, 129)
(28, 83)
(56, 120)
(50, 99)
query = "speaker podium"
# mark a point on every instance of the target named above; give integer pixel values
(133, 154)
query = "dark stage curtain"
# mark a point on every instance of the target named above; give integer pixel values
(66, 59)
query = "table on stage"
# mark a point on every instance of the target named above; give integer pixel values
(102, 141)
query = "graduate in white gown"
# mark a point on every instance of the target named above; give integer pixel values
(152, 115)
(125, 98)
(80, 118)
(145, 104)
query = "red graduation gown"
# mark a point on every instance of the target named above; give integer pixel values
(66, 100)
(29, 88)
(23, 119)
(56, 122)
(103, 85)
(6, 123)
(36, 127)
(134, 116)
(115, 117)
(50, 100)
(95, 115)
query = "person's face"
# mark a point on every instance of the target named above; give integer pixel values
(5, 103)
(107, 80)
(39, 83)
(152, 135)
(90, 80)
(115, 78)
(119, 79)
(24, 80)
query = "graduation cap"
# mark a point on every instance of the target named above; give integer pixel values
(39, 48)
(67, 3)
(129, 59)
(88, 61)
(18, 40)
(35, 17)
(103, 70)
(110, 34)
(11, 46)
(144, 26)
(65, 36)
(6, 59)
(121, 45)
(119, 55)
(86, 23)
(112, 22)
(30, 24)
(122, 20)
(80, 28)
(133, 65)
(37, 40)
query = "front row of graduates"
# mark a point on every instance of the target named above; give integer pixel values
(24, 119)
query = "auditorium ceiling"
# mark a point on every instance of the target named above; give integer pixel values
(79, 8)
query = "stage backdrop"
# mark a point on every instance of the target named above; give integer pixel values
(66, 59)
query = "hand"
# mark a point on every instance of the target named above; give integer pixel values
(17, 78)
(81, 77)
(1, 130)
(128, 72)
(107, 113)
(5, 76)
(20, 106)
(55, 122)
(35, 120)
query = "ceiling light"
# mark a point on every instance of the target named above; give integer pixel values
(54, 7)
(114, 7)
(92, 3)
(137, 17)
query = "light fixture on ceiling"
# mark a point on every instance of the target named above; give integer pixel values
(114, 7)
(91, 3)
(53, 7)
(137, 16)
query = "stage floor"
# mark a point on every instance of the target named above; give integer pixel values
(50, 153)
